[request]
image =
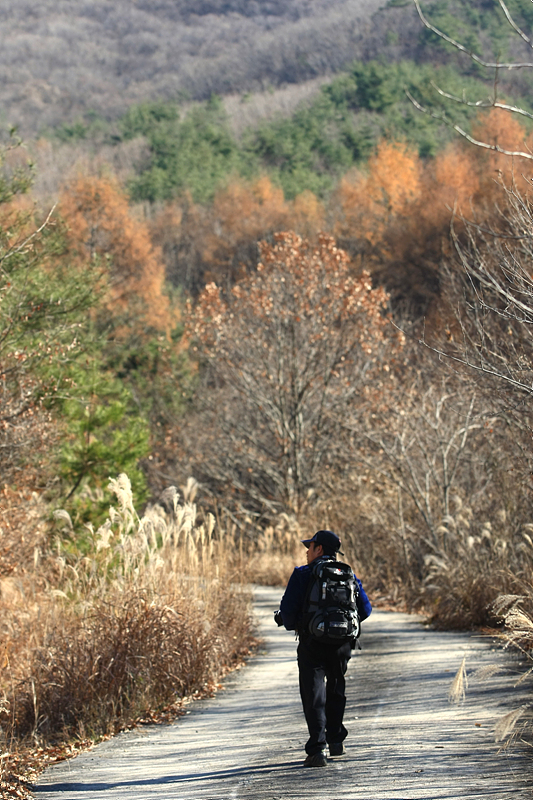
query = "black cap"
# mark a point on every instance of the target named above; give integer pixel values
(329, 541)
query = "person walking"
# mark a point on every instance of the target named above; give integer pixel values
(321, 665)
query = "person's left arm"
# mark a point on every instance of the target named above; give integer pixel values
(364, 606)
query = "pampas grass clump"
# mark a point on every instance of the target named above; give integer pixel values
(154, 610)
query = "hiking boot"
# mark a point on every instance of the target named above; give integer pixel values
(316, 759)
(336, 749)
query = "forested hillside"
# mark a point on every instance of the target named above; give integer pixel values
(63, 59)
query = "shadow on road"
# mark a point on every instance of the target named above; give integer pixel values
(215, 775)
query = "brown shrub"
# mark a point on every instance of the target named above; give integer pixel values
(128, 657)
(151, 612)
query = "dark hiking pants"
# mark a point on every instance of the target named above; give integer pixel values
(322, 688)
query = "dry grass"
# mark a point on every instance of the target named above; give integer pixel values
(459, 685)
(22, 533)
(273, 555)
(475, 553)
(156, 609)
(473, 563)
(515, 613)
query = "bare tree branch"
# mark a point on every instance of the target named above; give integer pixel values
(490, 64)
(494, 147)
(19, 248)
(513, 24)
(482, 103)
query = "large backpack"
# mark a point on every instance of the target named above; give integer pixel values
(330, 607)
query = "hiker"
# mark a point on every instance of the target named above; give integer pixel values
(323, 701)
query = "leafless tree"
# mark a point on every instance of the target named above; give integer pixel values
(489, 291)
(288, 355)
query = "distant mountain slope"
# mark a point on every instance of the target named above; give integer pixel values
(60, 59)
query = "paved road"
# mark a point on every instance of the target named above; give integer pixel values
(406, 741)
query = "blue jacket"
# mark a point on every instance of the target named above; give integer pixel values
(293, 600)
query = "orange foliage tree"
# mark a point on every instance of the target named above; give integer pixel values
(137, 331)
(398, 186)
(395, 216)
(392, 224)
(241, 214)
(494, 170)
(219, 242)
(290, 352)
(102, 224)
(389, 190)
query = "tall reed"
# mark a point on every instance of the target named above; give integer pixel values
(149, 611)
